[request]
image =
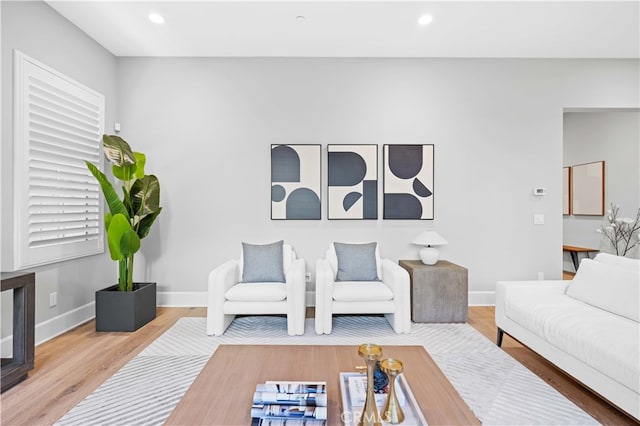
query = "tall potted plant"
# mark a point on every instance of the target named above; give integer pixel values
(126, 306)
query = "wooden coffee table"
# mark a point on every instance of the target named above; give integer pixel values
(222, 393)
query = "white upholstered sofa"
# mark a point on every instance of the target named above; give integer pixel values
(589, 326)
(267, 279)
(356, 280)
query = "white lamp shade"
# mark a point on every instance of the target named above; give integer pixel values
(429, 238)
(428, 254)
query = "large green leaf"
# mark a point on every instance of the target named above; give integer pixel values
(141, 160)
(129, 243)
(145, 195)
(115, 204)
(124, 173)
(107, 219)
(146, 222)
(117, 150)
(118, 226)
(126, 199)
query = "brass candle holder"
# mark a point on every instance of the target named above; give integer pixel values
(371, 354)
(392, 412)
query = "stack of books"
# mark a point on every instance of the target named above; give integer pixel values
(289, 403)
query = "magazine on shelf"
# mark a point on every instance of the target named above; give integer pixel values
(291, 411)
(286, 421)
(295, 387)
(301, 399)
(289, 403)
(291, 393)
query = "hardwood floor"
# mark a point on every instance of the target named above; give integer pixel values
(69, 367)
(72, 365)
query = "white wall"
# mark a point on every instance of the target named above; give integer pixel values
(612, 137)
(206, 125)
(40, 32)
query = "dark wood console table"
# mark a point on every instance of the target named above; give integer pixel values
(573, 251)
(23, 285)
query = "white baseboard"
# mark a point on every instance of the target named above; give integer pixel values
(482, 298)
(47, 330)
(53, 327)
(182, 299)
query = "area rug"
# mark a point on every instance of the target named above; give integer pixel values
(497, 388)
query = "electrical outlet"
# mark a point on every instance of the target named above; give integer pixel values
(307, 277)
(541, 276)
(538, 219)
(53, 299)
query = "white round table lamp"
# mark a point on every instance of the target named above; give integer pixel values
(429, 238)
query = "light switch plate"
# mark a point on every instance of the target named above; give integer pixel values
(538, 219)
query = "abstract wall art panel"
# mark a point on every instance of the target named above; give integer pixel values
(408, 182)
(352, 174)
(295, 182)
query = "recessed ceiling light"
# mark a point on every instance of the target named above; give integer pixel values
(156, 18)
(425, 19)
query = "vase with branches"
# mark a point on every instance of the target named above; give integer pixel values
(621, 232)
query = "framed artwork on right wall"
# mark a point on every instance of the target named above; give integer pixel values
(408, 182)
(587, 189)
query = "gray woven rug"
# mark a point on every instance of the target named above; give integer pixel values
(497, 388)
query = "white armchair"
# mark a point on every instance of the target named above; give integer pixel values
(248, 287)
(346, 283)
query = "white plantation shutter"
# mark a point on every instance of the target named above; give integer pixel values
(58, 126)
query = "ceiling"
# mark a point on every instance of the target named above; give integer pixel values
(485, 29)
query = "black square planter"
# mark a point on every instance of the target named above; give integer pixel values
(125, 310)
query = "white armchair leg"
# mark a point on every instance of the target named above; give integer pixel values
(210, 324)
(219, 325)
(319, 308)
(318, 323)
(300, 323)
(328, 322)
(291, 325)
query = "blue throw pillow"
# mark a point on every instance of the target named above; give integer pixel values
(356, 262)
(262, 263)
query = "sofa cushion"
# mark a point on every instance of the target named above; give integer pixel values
(257, 292)
(263, 262)
(361, 291)
(607, 287)
(355, 261)
(620, 261)
(608, 343)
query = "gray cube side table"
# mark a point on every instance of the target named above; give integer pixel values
(439, 293)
